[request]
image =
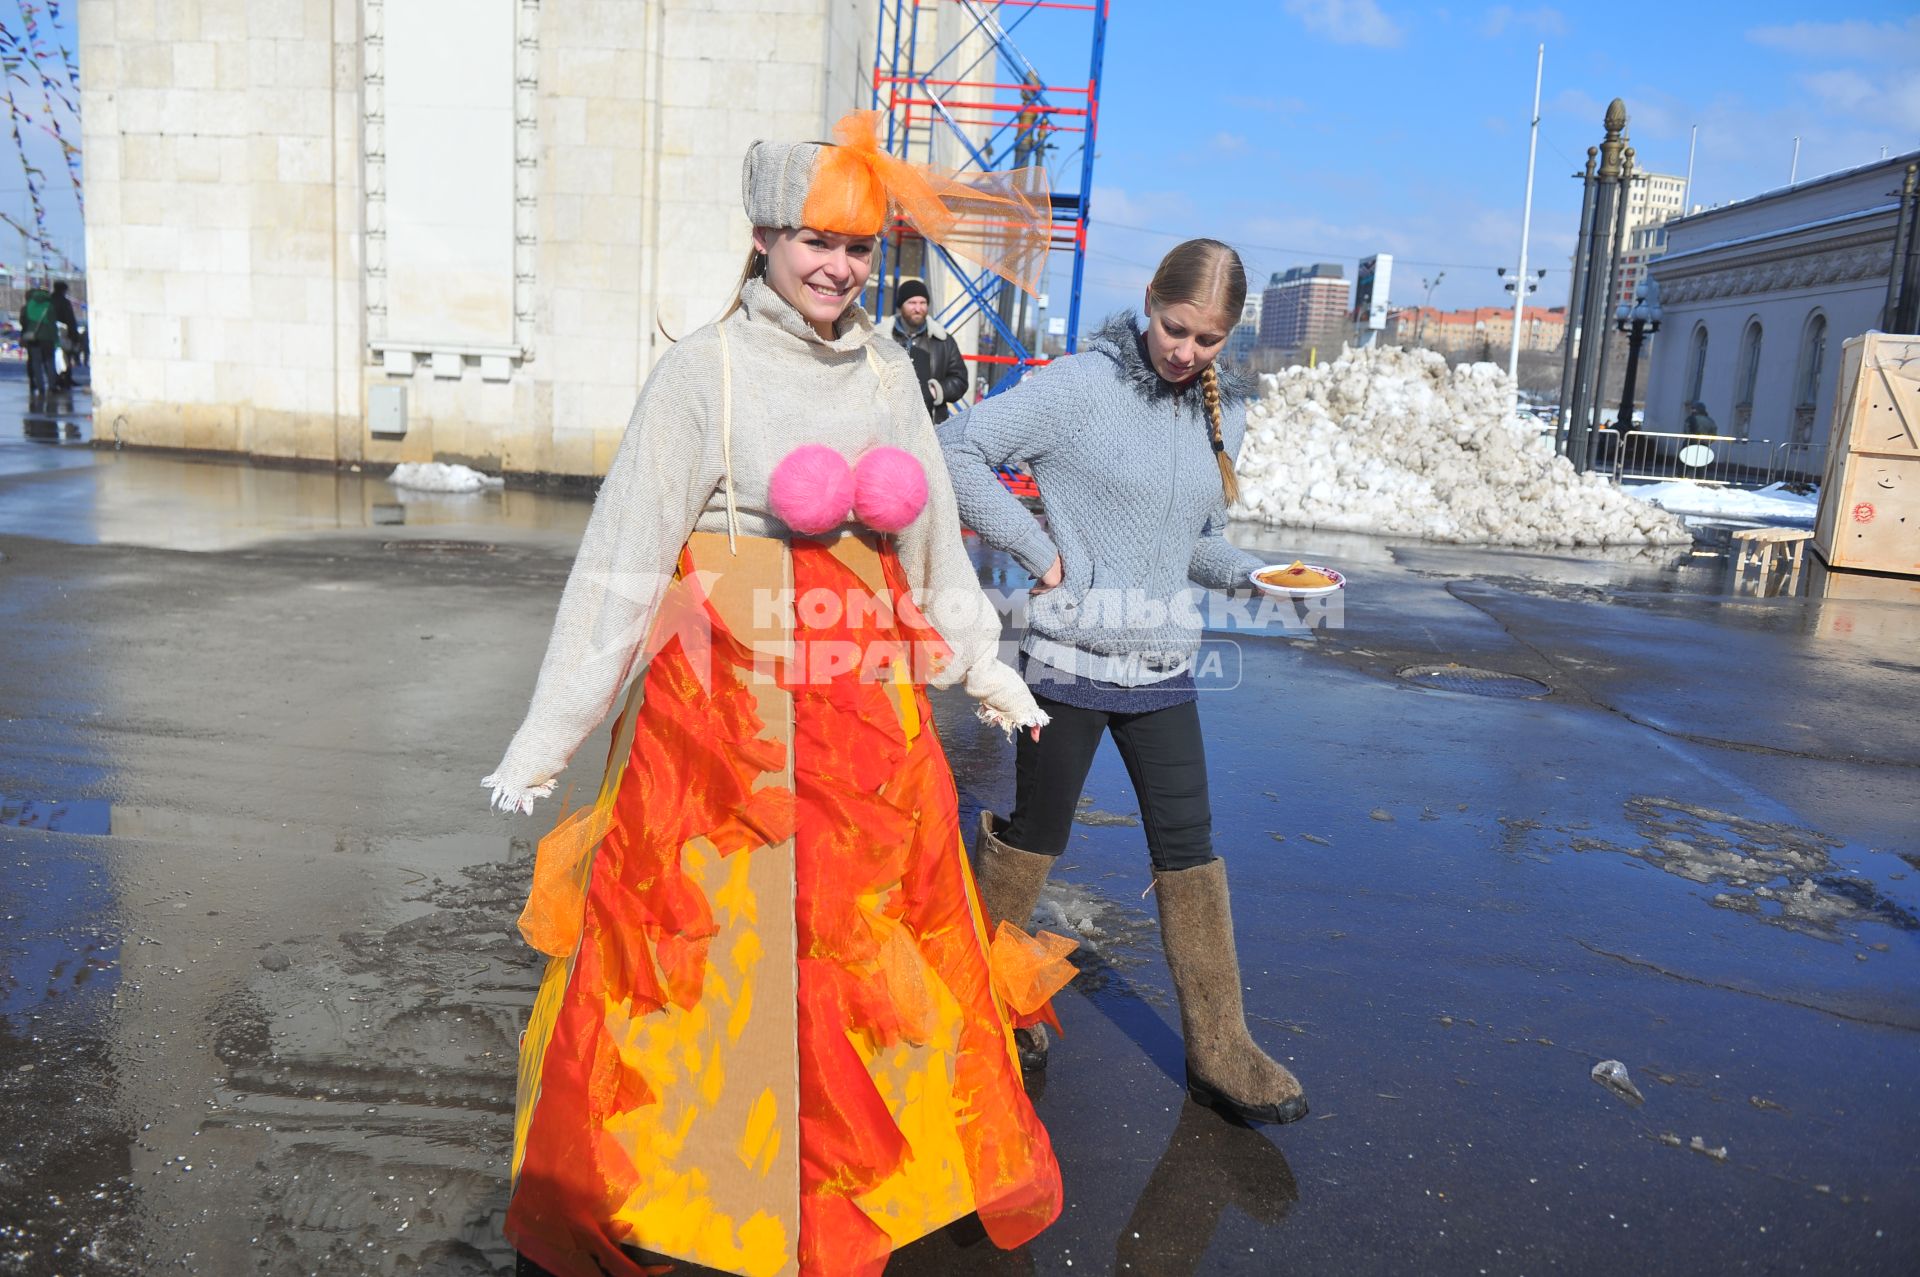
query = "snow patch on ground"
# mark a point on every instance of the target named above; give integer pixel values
(440, 476)
(1392, 441)
(1771, 504)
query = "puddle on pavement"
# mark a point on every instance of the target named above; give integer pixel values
(82, 816)
(343, 1097)
(164, 502)
(1776, 873)
(58, 486)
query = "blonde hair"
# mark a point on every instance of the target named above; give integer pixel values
(1205, 272)
(756, 266)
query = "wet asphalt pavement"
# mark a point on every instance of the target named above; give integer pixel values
(260, 988)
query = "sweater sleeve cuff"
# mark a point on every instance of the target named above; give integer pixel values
(1035, 551)
(1219, 565)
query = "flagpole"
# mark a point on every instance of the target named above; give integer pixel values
(1686, 192)
(1526, 230)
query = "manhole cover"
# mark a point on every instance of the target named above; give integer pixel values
(1464, 678)
(429, 546)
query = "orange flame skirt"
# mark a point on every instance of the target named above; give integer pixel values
(774, 1035)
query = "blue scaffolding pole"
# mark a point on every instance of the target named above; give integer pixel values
(979, 91)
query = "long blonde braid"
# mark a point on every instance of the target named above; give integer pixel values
(1210, 392)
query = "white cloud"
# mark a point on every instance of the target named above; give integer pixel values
(1543, 21)
(1158, 209)
(1894, 100)
(1842, 90)
(1275, 106)
(1346, 21)
(1228, 143)
(1854, 38)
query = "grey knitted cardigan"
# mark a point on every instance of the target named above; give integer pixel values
(1134, 508)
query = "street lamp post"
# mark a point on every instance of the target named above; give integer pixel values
(1639, 322)
(1420, 337)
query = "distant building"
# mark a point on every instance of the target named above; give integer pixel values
(1245, 334)
(1653, 199)
(1758, 296)
(1485, 332)
(1304, 307)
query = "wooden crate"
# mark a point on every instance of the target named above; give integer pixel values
(1870, 502)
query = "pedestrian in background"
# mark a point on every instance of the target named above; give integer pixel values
(935, 354)
(70, 350)
(40, 321)
(1132, 443)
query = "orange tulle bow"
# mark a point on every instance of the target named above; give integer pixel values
(553, 915)
(999, 220)
(1027, 970)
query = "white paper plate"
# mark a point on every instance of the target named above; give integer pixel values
(1297, 592)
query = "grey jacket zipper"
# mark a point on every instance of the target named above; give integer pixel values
(1173, 499)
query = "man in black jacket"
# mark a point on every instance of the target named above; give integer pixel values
(935, 354)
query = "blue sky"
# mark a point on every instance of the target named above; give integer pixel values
(56, 186)
(1304, 130)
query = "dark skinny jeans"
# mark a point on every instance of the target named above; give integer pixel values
(40, 374)
(1165, 758)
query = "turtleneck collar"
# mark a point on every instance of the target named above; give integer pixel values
(765, 306)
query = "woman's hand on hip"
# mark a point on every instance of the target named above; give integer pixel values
(1054, 575)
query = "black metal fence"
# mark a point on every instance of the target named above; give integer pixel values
(1717, 460)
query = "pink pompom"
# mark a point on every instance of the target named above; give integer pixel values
(812, 489)
(889, 489)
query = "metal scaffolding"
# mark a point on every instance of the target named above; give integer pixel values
(957, 92)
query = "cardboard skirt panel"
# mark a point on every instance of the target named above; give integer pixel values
(774, 1035)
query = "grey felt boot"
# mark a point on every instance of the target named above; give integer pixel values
(1009, 881)
(1225, 1069)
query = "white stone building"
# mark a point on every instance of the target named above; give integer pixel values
(500, 207)
(1758, 296)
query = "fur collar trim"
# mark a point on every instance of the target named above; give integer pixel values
(1121, 340)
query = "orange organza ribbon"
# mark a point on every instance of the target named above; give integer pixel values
(1027, 970)
(551, 920)
(1001, 221)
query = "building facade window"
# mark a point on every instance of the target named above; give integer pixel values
(1696, 365)
(1813, 357)
(1745, 376)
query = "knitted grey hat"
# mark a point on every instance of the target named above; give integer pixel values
(774, 181)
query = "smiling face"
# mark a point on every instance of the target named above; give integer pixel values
(820, 273)
(1183, 338)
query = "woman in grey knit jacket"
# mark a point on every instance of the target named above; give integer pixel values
(1132, 445)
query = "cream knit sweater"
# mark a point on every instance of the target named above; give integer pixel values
(789, 386)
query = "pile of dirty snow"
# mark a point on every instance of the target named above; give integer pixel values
(440, 476)
(1392, 441)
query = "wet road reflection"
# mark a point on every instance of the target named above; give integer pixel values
(1210, 1166)
(260, 985)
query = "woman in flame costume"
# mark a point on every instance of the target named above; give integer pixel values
(775, 1034)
